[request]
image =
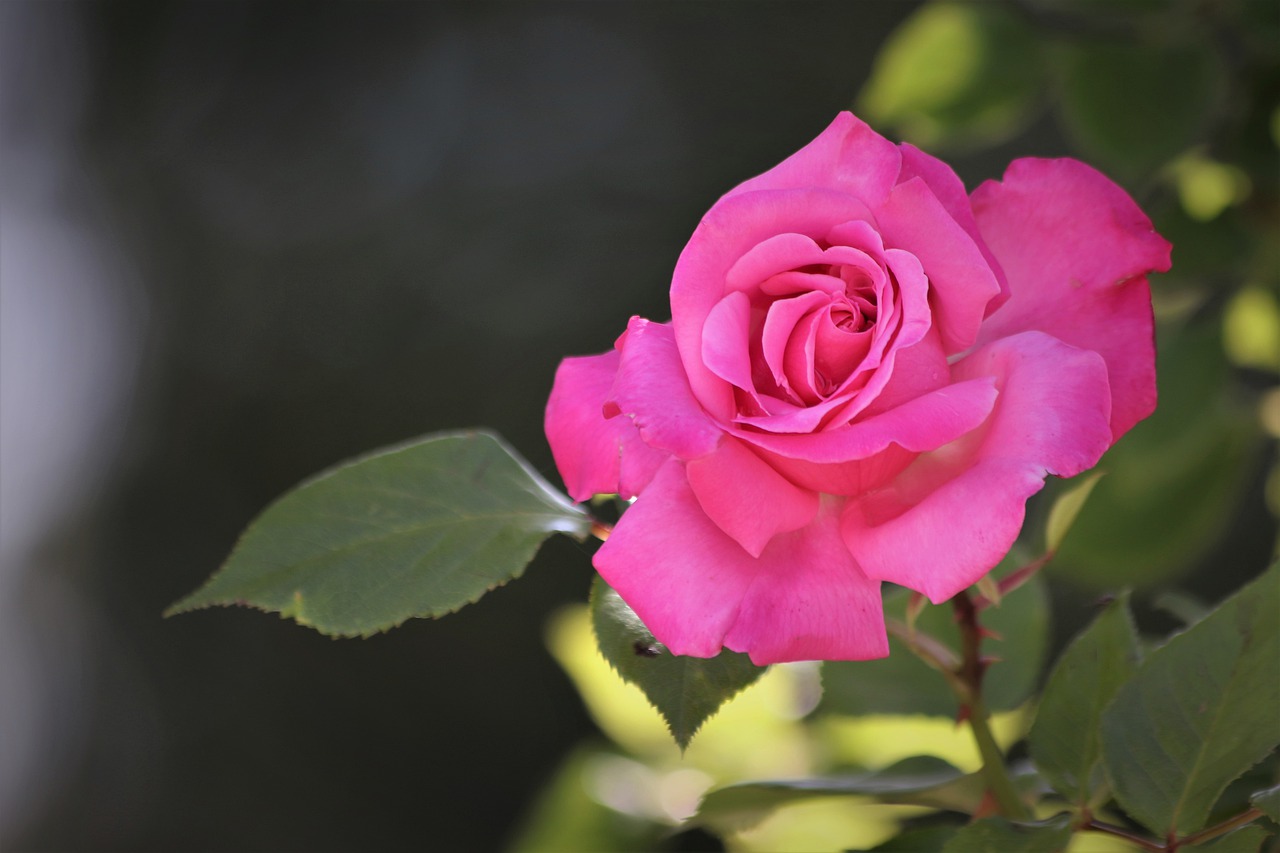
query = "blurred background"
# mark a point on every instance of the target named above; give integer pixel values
(242, 241)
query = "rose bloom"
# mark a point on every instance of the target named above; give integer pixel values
(866, 374)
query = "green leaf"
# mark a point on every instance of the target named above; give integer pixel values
(1246, 839)
(925, 839)
(1132, 105)
(1184, 607)
(902, 684)
(1268, 802)
(685, 690)
(997, 835)
(416, 530)
(1200, 711)
(1066, 508)
(956, 74)
(1064, 738)
(922, 780)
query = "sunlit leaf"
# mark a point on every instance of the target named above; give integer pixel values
(1200, 711)
(922, 780)
(685, 690)
(1251, 329)
(566, 815)
(956, 74)
(925, 839)
(416, 530)
(1066, 508)
(1064, 738)
(997, 835)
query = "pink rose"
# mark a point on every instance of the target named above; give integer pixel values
(866, 374)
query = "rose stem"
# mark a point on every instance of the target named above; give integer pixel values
(974, 710)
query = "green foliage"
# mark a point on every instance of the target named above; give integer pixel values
(1246, 839)
(1268, 802)
(1133, 105)
(956, 74)
(416, 530)
(1064, 739)
(1200, 711)
(903, 684)
(1185, 462)
(925, 839)
(997, 835)
(922, 780)
(569, 816)
(1066, 508)
(685, 690)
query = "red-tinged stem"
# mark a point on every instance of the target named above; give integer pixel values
(600, 530)
(1223, 828)
(1120, 832)
(970, 672)
(1174, 843)
(1015, 579)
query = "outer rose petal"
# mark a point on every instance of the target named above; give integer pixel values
(697, 590)
(680, 573)
(950, 517)
(652, 389)
(848, 157)
(810, 601)
(595, 455)
(1076, 250)
(746, 498)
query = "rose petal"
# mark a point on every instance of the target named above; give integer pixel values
(864, 455)
(949, 189)
(1076, 250)
(732, 227)
(951, 516)
(775, 254)
(848, 156)
(960, 281)
(925, 423)
(810, 601)
(594, 454)
(726, 344)
(746, 498)
(779, 327)
(682, 575)
(652, 390)
(697, 590)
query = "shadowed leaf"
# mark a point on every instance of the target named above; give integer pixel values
(1064, 739)
(1200, 711)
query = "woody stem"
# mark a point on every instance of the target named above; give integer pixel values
(970, 672)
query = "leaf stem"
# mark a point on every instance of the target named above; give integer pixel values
(1121, 832)
(1173, 844)
(1247, 816)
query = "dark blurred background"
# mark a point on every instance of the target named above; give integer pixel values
(243, 241)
